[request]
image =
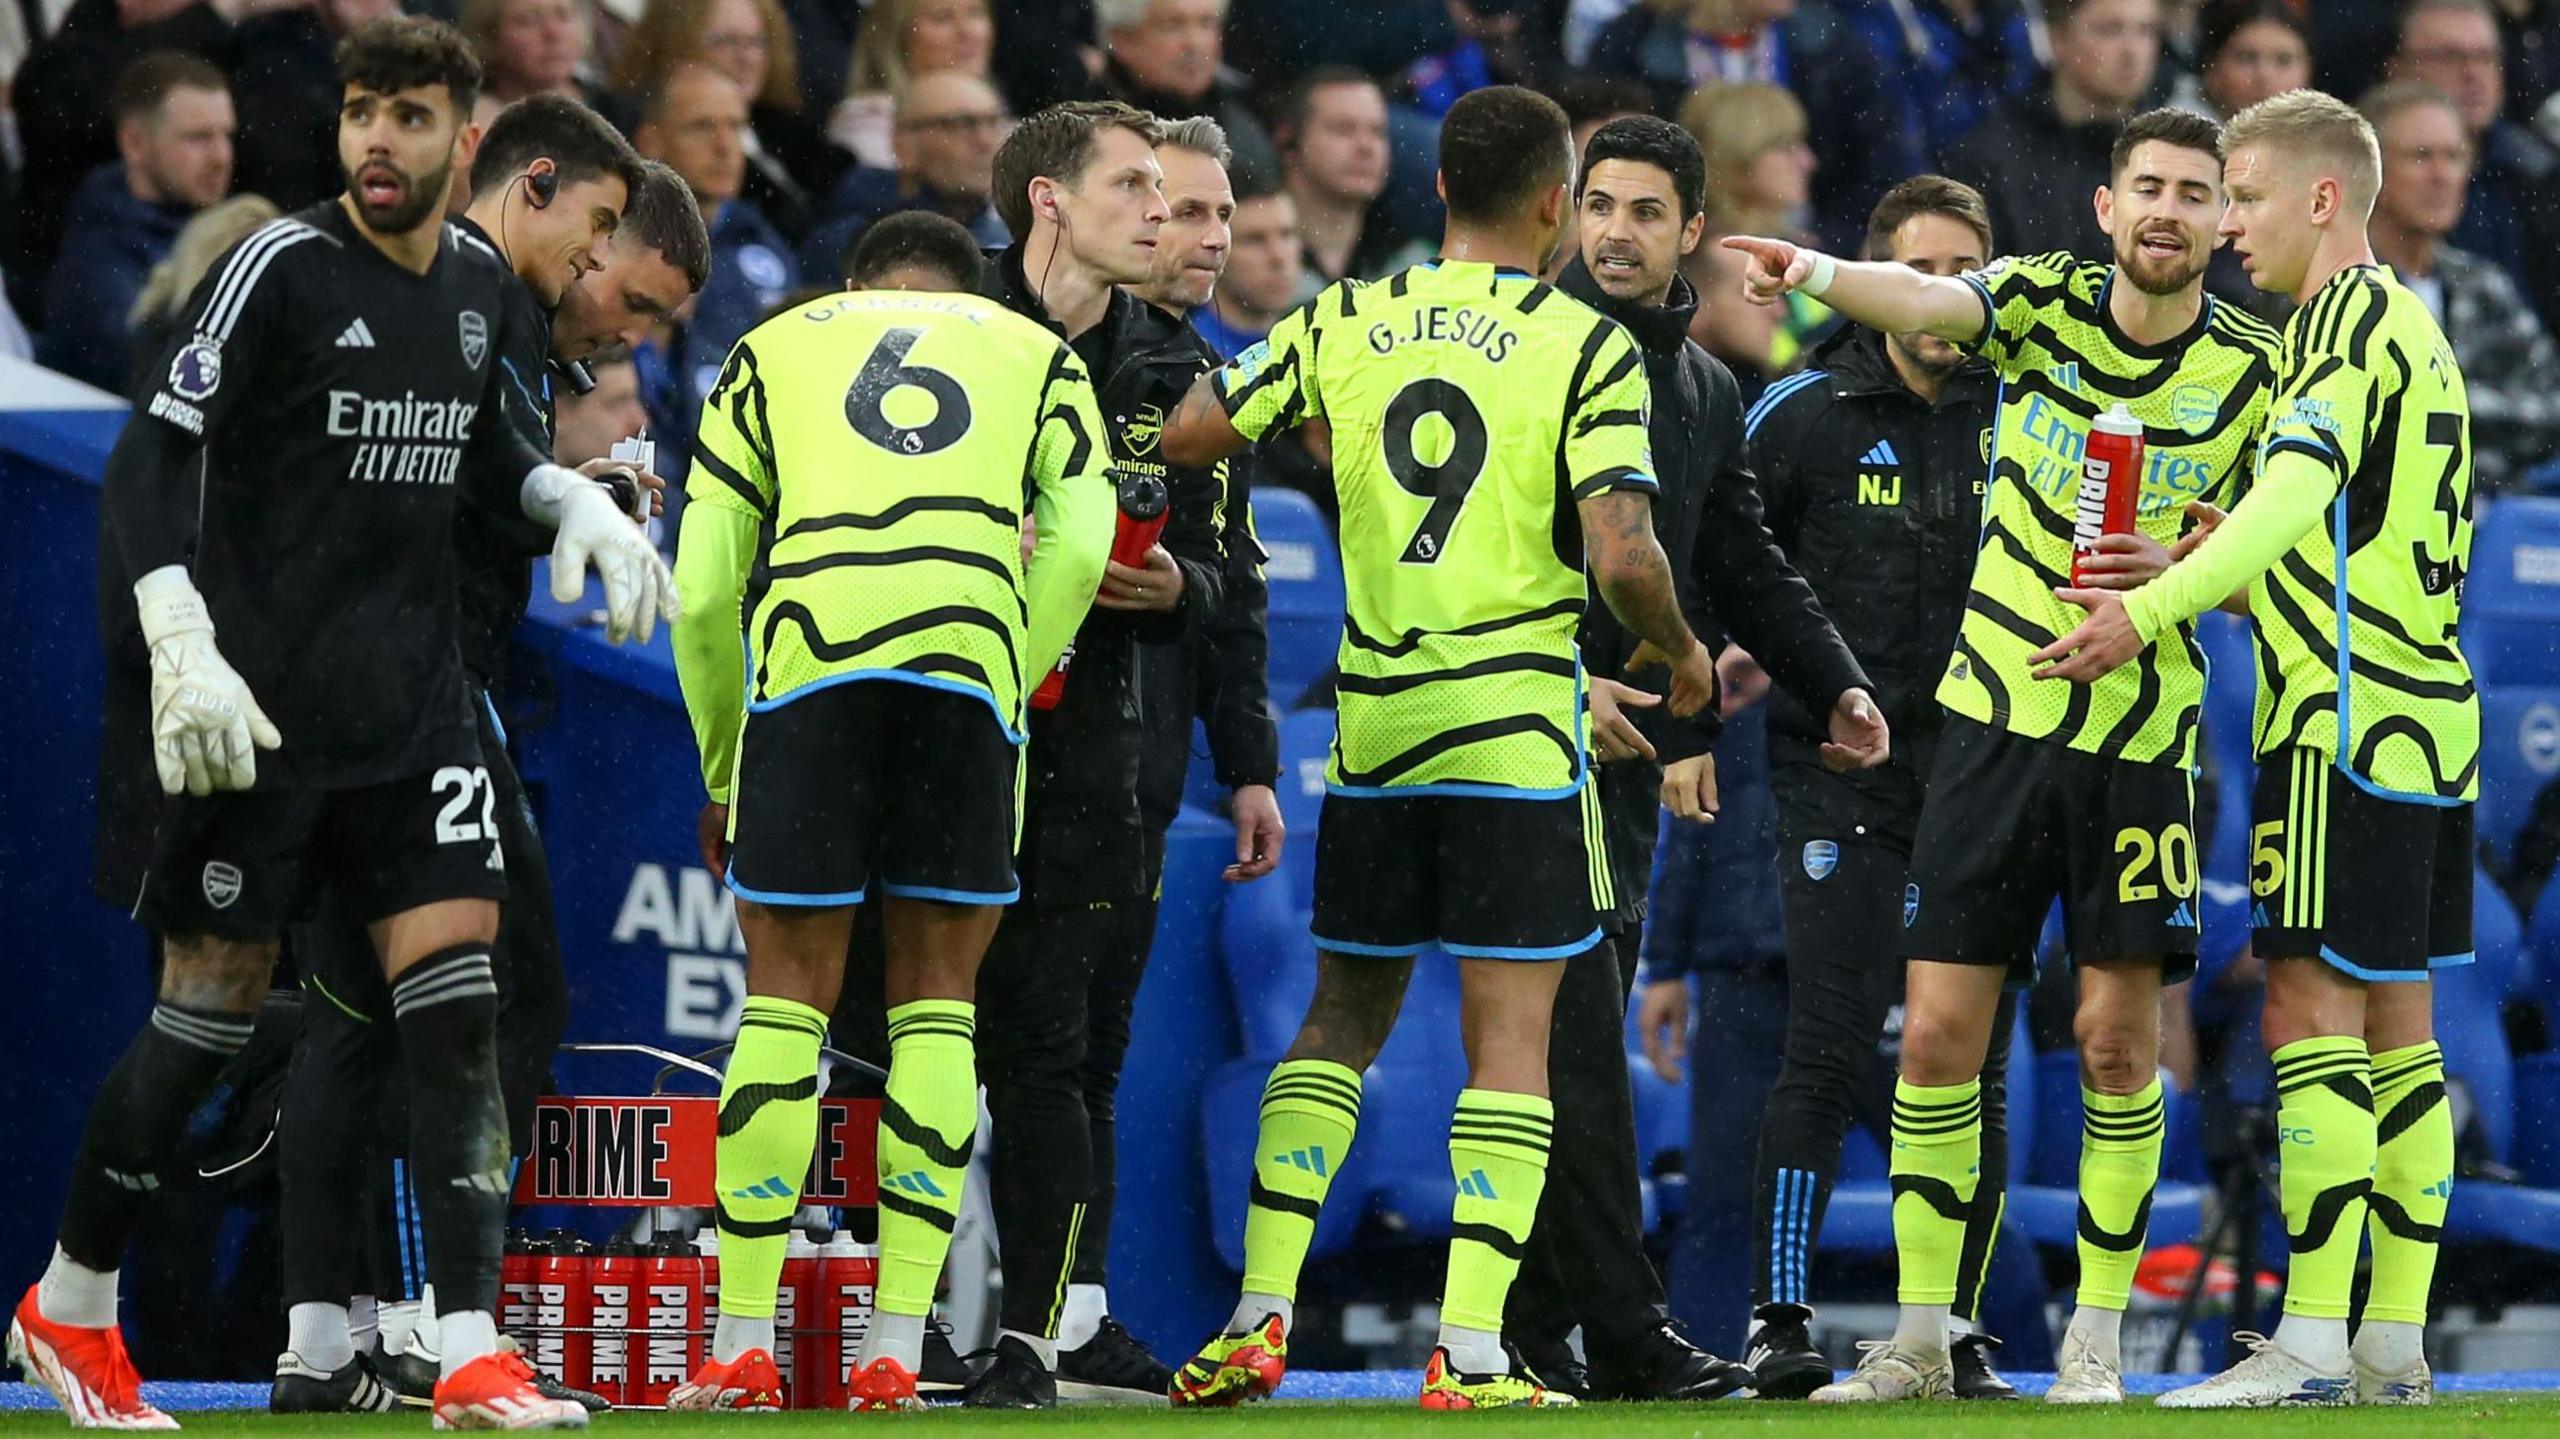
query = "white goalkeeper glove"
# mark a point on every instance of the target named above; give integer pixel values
(206, 728)
(638, 587)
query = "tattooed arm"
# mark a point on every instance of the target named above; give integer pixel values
(1199, 433)
(1634, 576)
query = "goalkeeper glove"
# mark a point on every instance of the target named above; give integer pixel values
(638, 588)
(206, 728)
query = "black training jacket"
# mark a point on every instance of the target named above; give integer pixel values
(1877, 494)
(1216, 667)
(1734, 580)
(1083, 838)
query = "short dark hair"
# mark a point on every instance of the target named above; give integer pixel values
(2220, 20)
(577, 141)
(1927, 195)
(144, 86)
(2170, 126)
(915, 238)
(1652, 140)
(664, 215)
(1058, 142)
(1500, 146)
(402, 52)
(1289, 117)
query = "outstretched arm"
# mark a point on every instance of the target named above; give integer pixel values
(1199, 431)
(1893, 298)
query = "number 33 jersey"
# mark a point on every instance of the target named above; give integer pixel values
(1471, 408)
(2357, 653)
(890, 443)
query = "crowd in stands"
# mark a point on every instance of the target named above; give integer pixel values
(140, 138)
(799, 122)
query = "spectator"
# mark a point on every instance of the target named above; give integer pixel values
(162, 306)
(788, 156)
(1264, 262)
(2041, 156)
(1167, 57)
(59, 97)
(696, 122)
(539, 47)
(1759, 167)
(173, 125)
(1500, 42)
(1591, 101)
(1332, 132)
(592, 421)
(2246, 50)
(2532, 32)
(949, 125)
(1760, 173)
(1276, 40)
(1953, 61)
(2508, 361)
(2512, 215)
(284, 82)
(902, 38)
(1867, 138)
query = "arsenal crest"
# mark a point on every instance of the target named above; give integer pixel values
(475, 338)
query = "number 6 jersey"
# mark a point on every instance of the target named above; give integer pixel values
(1471, 408)
(890, 443)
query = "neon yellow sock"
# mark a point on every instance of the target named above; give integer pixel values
(2120, 1139)
(1498, 1145)
(1937, 1165)
(2325, 1139)
(928, 1128)
(768, 1130)
(2412, 1180)
(1310, 1110)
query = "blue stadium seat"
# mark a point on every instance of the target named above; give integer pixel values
(2511, 602)
(2519, 755)
(1305, 575)
(2473, 1034)
(2468, 1023)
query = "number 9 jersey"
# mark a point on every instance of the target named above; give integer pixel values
(1471, 408)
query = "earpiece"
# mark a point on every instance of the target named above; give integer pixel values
(543, 185)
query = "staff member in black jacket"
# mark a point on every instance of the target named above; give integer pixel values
(1080, 183)
(1874, 464)
(1643, 185)
(1212, 667)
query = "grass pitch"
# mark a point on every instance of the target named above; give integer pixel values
(2455, 1416)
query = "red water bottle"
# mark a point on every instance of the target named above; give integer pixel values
(665, 1345)
(2110, 484)
(517, 1282)
(799, 1266)
(848, 1281)
(1144, 507)
(821, 1337)
(617, 1284)
(563, 1309)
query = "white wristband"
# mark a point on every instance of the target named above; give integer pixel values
(1825, 270)
(168, 603)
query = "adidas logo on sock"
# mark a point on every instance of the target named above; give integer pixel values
(356, 336)
(774, 1188)
(1881, 454)
(1476, 1186)
(916, 1181)
(1310, 1160)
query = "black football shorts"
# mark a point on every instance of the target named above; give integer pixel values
(1478, 878)
(2378, 887)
